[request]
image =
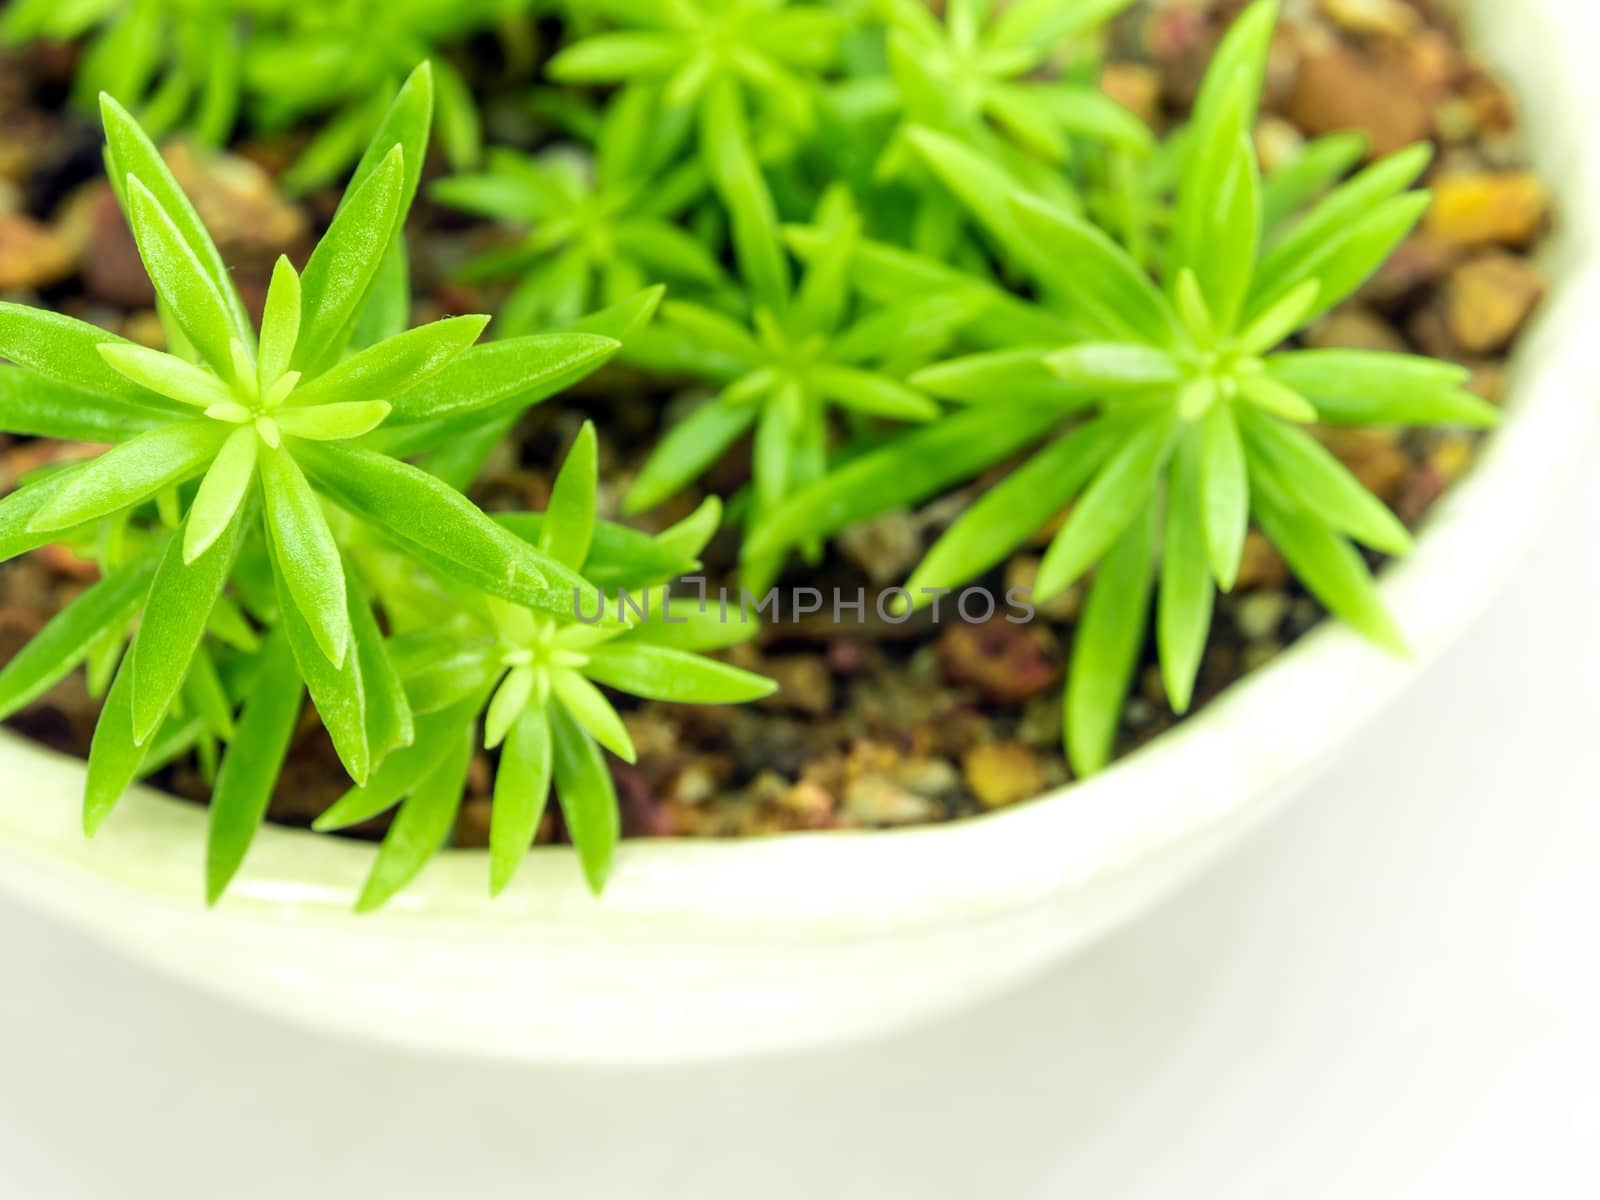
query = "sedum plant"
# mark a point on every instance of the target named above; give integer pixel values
(526, 680)
(260, 454)
(978, 75)
(783, 370)
(1173, 416)
(178, 63)
(599, 227)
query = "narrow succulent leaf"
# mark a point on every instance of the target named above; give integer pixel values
(588, 797)
(181, 280)
(906, 471)
(337, 422)
(569, 521)
(437, 735)
(873, 394)
(383, 371)
(738, 179)
(690, 536)
(204, 695)
(386, 312)
(1268, 395)
(33, 405)
(686, 450)
(695, 622)
(1013, 510)
(614, 57)
(1379, 183)
(1242, 55)
(1303, 468)
(1328, 565)
(167, 375)
(926, 323)
(176, 610)
(390, 722)
(420, 829)
(444, 678)
(1313, 170)
(1187, 594)
(517, 370)
(1106, 646)
(506, 705)
(338, 692)
(986, 190)
(306, 554)
(618, 556)
(1089, 112)
(660, 673)
(406, 125)
(1021, 375)
(251, 765)
(130, 153)
(1121, 489)
(621, 320)
(593, 711)
(1114, 366)
(1347, 261)
(1225, 489)
(221, 492)
(114, 756)
(521, 792)
(1278, 322)
(18, 510)
(1097, 277)
(280, 323)
(1367, 387)
(440, 526)
(52, 653)
(344, 264)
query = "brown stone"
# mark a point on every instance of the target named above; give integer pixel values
(1337, 89)
(1004, 661)
(1002, 773)
(31, 255)
(1489, 299)
(1506, 207)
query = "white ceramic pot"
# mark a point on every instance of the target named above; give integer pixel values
(712, 949)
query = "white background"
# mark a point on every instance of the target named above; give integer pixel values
(1392, 993)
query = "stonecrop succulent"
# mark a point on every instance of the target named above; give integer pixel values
(785, 367)
(279, 430)
(598, 227)
(1173, 416)
(528, 679)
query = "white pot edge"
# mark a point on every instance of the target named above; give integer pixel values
(701, 949)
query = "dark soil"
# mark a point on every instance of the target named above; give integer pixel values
(875, 724)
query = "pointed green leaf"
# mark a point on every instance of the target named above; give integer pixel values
(130, 152)
(114, 757)
(280, 324)
(1013, 510)
(687, 449)
(1225, 489)
(1121, 489)
(251, 765)
(51, 654)
(397, 365)
(661, 673)
(306, 553)
(521, 791)
(1187, 594)
(1368, 387)
(587, 796)
(569, 520)
(420, 828)
(1105, 649)
(1302, 469)
(181, 280)
(180, 601)
(593, 711)
(1328, 565)
(344, 264)
(221, 492)
(132, 472)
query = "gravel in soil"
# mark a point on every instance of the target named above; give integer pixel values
(875, 724)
